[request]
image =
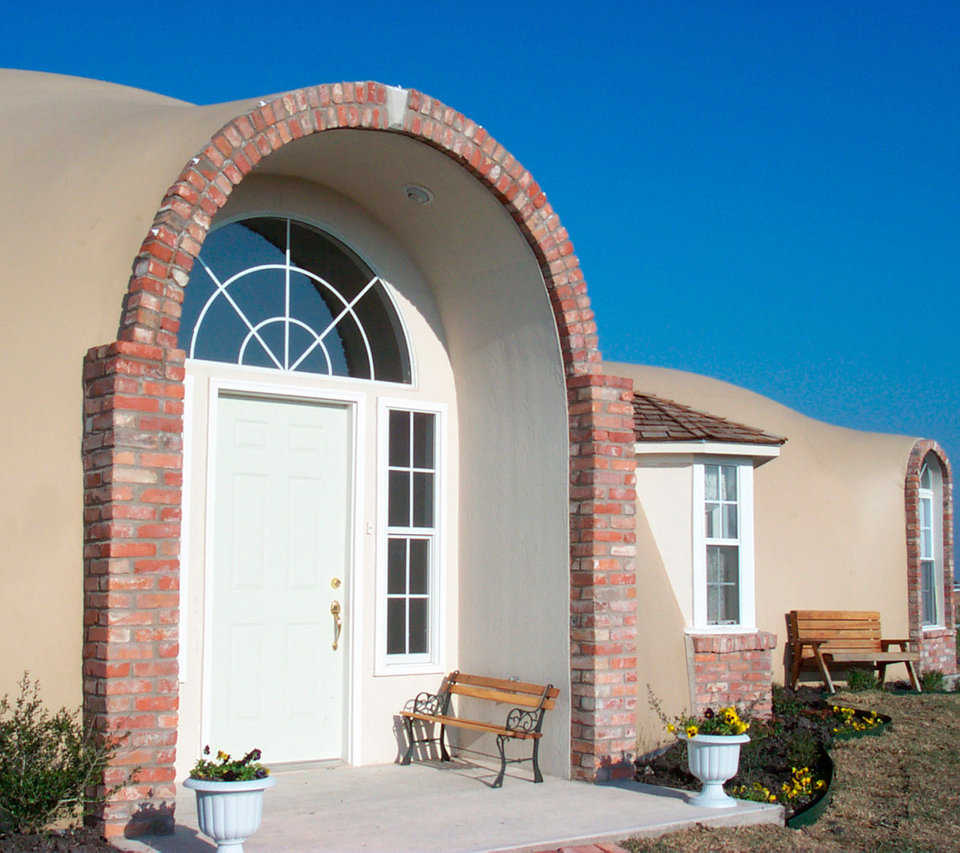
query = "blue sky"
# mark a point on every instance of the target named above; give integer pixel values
(763, 192)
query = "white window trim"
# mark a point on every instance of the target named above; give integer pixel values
(745, 527)
(758, 452)
(936, 536)
(418, 664)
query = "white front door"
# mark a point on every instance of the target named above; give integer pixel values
(281, 546)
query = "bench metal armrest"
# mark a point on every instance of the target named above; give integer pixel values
(431, 703)
(520, 720)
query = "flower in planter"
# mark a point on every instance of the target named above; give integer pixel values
(723, 721)
(229, 769)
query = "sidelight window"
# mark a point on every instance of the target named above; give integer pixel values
(410, 558)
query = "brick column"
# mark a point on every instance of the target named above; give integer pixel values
(133, 406)
(603, 607)
(732, 669)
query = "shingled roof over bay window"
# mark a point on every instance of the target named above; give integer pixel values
(656, 419)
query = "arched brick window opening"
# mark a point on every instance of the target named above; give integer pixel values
(930, 558)
(133, 434)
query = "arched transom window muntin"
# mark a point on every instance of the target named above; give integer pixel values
(930, 511)
(277, 293)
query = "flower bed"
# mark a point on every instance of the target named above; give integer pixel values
(852, 723)
(786, 761)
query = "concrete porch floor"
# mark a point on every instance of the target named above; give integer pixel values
(449, 807)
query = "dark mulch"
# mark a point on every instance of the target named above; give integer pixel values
(82, 840)
(899, 792)
(796, 737)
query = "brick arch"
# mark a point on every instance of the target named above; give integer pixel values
(163, 263)
(133, 439)
(938, 646)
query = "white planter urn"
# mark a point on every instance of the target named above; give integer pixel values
(714, 759)
(229, 812)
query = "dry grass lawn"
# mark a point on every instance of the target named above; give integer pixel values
(896, 792)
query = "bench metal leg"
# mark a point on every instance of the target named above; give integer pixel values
(537, 775)
(498, 782)
(410, 741)
(444, 755)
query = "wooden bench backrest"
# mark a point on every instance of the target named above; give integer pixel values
(519, 693)
(842, 629)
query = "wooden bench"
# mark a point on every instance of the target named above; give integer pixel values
(522, 722)
(843, 636)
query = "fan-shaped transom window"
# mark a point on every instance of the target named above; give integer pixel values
(277, 293)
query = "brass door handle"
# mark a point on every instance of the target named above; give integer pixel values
(337, 623)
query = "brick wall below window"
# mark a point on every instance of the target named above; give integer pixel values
(938, 650)
(733, 669)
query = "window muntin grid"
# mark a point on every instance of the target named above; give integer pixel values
(721, 537)
(411, 532)
(277, 293)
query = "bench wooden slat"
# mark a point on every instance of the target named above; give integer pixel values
(865, 629)
(889, 657)
(476, 725)
(506, 684)
(524, 699)
(833, 642)
(837, 614)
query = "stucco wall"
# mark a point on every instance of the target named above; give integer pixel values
(664, 489)
(662, 659)
(84, 167)
(501, 339)
(92, 196)
(500, 336)
(829, 512)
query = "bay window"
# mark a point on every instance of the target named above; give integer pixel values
(723, 544)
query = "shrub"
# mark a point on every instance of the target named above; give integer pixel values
(50, 766)
(859, 680)
(931, 680)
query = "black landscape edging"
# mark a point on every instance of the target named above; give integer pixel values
(813, 812)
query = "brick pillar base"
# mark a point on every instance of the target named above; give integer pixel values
(732, 669)
(938, 650)
(133, 405)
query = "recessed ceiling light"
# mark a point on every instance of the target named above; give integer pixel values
(418, 193)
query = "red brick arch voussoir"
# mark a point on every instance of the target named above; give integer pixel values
(133, 441)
